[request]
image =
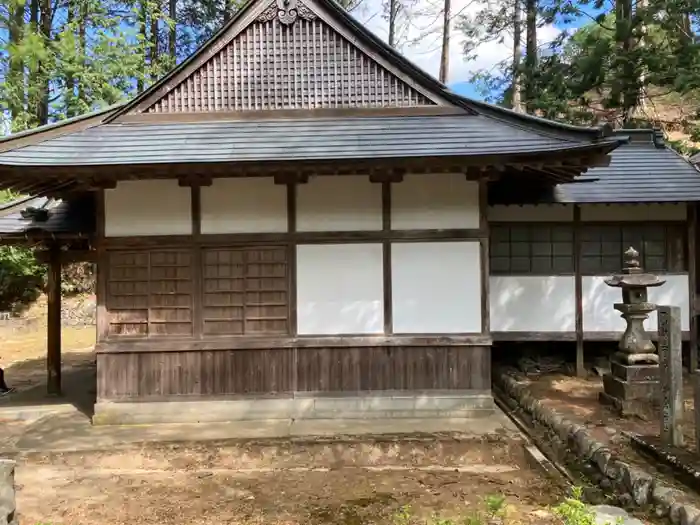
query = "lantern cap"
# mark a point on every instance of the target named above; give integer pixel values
(632, 275)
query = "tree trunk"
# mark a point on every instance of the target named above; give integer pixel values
(393, 11)
(42, 109)
(516, 102)
(228, 10)
(34, 14)
(172, 42)
(530, 54)
(445, 52)
(155, 34)
(16, 78)
(82, 41)
(626, 91)
(144, 38)
(69, 95)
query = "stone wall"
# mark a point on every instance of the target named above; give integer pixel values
(8, 515)
(638, 487)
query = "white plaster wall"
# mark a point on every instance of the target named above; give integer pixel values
(339, 203)
(633, 212)
(434, 201)
(598, 300)
(148, 207)
(533, 304)
(340, 289)
(436, 287)
(244, 205)
(531, 213)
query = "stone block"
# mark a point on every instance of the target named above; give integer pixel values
(631, 391)
(634, 372)
(8, 510)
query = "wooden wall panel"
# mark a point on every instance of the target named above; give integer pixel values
(149, 293)
(393, 368)
(273, 371)
(161, 374)
(245, 291)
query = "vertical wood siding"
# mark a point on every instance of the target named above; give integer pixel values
(274, 66)
(274, 371)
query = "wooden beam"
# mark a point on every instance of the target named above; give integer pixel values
(195, 181)
(127, 345)
(53, 339)
(392, 176)
(101, 314)
(386, 260)
(289, 114)
(67, 257)
(578, 294)
(485, 258)
(692, 283)
(197, 303)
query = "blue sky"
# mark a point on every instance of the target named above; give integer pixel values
(462, 87)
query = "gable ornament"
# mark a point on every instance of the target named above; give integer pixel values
(286, 11)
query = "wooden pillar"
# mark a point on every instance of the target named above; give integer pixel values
(692, 284)
(578, 293)
(53, 340)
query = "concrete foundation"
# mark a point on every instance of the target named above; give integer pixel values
(415, 405)
(8, 511)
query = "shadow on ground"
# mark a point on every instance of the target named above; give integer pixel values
(29, 378)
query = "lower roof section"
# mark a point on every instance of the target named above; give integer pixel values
(642, 170)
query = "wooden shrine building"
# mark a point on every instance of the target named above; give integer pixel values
(296, 222)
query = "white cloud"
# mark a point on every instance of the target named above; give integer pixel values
(425, 53)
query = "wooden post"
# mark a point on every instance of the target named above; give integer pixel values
(578, 294)
(53, 340)
(692, 284)
(671, 370)
(696, 409)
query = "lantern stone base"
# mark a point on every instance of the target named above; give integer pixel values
(631, 389)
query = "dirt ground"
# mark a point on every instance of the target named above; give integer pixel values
(201, 484)
(352, 484)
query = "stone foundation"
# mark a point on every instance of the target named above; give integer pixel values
(449, 405)
(631, 389)
(638, 486)
(8, 511)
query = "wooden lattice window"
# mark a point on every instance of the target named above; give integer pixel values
(245, 291)
(661, 246)
(531, 249)
(150, 293)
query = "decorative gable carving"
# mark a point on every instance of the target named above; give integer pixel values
(289, 58)
(286, 11)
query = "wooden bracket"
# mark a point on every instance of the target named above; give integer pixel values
(195, 180)
(291, 178)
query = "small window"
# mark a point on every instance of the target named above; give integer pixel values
(661, 247)
(532, 249)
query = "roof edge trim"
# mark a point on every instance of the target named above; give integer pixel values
(36, 135)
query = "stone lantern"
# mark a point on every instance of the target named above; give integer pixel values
(634, 369)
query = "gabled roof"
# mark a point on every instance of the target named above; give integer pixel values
(331, 13)
(272, 140)
(82, 151)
